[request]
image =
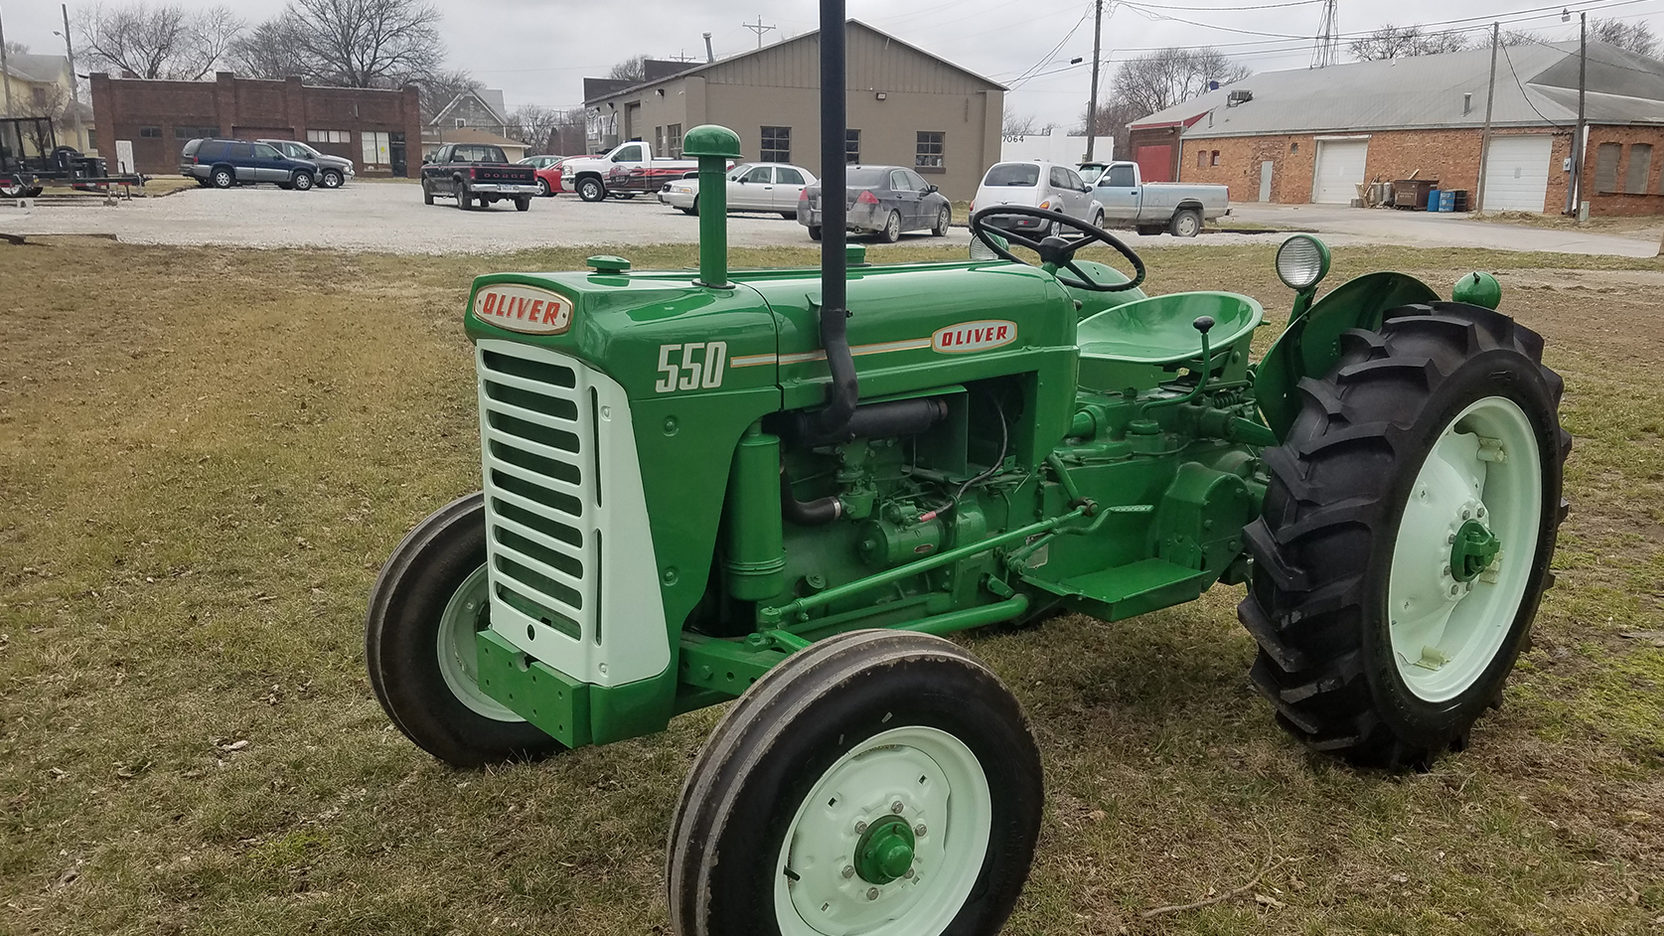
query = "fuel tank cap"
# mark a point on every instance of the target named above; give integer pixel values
(605, 263)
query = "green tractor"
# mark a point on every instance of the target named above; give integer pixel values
(786, 486)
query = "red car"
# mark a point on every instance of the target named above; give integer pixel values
(548, 173)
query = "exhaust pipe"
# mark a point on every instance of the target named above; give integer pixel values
(845, 390)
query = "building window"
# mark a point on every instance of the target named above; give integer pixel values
(195, 133)
(92, 139)
(377, 148)
(40, 96)
(852, 146)
(658, 140)
(150, 133)
(777, 144)
(1606, 168)
(928, 153)
(1640, 166)
(461, 122)
(1201, 159)
(673, 139)
(1215, 159)
(327, 136)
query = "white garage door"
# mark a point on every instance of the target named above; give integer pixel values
(1516, 173)
(1340, 167)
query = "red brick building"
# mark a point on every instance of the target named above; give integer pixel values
(1314, 135)
(379, 130)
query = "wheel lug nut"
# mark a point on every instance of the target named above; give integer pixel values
(908, 874)
(872, 893)
(1466, 513)
(895, 807)
(918, 830)
(849, 871)
(1446, 572)
(860, 828)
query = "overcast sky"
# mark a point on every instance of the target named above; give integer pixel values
(538, 51)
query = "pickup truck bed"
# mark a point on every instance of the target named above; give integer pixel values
(477, 173)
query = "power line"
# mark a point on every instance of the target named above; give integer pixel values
(1047, 59)
(759, 29)
(1327, 49)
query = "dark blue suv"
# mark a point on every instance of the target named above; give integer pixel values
(224, 163)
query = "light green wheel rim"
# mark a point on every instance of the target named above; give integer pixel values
(465, 615)
(943, 795)
(1483, 476)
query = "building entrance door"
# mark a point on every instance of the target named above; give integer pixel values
(1265, 180)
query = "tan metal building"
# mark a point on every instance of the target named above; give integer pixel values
(906, 107)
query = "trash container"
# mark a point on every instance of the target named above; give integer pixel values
(1411, 194)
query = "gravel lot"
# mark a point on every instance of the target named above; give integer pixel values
(390, 216)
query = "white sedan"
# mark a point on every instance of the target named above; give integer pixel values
(751, 187)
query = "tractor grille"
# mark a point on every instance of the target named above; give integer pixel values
(566, 520)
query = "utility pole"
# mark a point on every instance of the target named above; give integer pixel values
(1575, 190)
(1092, 102)
(74, 82)
(1485, 135)
(5, 71)
(758, 28)
(1327, 48)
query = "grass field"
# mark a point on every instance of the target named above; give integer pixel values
(205, 454)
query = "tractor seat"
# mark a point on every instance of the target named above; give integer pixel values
(1158, 330)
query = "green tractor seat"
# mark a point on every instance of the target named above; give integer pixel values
(1141, 343)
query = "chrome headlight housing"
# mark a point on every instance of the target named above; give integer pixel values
(1302, 262)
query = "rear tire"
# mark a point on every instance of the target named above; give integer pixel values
(223, 178)
(804, 776)
(891, 231)
(463, 199)
(302, 181)
(431, 596)
(1187, 223)
(1381, 639)
(814, 232)
(427, 193)
(1148, 230)
(523, 203)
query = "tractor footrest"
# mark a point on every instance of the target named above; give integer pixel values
(1126, 591)
(548, 698)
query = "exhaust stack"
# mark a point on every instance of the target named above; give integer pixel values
(842, 395)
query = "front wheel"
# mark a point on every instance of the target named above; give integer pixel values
(878, 783)
(427, 193)
(591, 190)
(543, 188)
(944, 217)
(431, 599)
(330, 179)
(1407, 532)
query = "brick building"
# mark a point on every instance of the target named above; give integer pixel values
(477, 115)
(906, 107)
(379, 130)
(1315, 135)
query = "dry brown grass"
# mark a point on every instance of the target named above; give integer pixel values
(205, 454)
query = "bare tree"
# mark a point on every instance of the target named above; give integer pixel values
(1404, 41)
(1113, 117)
(631, 69)
(16, 48)
(268, 51)
(534, 125)
(1166, 77)
(1635, 37)
(441, 88)
(365, 43)
(1016, 125)
(163, 41)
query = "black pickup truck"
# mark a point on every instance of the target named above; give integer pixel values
(477, 173)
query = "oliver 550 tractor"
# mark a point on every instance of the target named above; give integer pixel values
(784, 486)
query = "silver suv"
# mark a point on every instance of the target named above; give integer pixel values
(333, 171)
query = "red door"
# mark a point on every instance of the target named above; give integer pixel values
(1155, 163)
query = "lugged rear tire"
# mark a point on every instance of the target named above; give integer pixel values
(1334, 657)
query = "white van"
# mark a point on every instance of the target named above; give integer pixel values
(1035, 183)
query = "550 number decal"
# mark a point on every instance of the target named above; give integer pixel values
(697, 365)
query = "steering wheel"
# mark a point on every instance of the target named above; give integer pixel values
(1056, 251)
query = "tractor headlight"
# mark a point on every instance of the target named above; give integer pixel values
(1302, 261)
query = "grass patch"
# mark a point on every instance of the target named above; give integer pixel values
(205, 455)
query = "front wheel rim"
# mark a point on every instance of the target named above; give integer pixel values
(1466, 545)
(464, 616)
(945, 817)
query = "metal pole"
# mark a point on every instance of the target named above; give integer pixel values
(1485, 135)
(834, 212)
(5, 71)
(74, 82)
(1575, 190)
(1092, 102)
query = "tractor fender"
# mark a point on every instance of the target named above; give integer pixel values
(1310, 345)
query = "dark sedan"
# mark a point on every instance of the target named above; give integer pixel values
(885, 201)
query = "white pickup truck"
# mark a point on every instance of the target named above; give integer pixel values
(627, 170)
(1153, 207)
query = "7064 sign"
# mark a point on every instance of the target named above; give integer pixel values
(697, 365)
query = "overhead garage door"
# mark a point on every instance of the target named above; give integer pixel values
(1340, 167)
(1516, 172)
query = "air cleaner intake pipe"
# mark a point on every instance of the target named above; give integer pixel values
(845, 390)
(713, 146)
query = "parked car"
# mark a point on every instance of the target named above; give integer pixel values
(1035, 183)
(625, 171)
(882, 200)
(333, 171)
(224, 163)
(477, 172)
(751, 187)
(548, 173)
(1153, 207)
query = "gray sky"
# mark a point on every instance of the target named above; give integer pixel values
(538, 51)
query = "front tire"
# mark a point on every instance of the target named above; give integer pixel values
(804, 776)
(944, 217)
(543, 188)
(1407, 533)
(427, 193)
(330, 179)
(431, 597)
(590, 189)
